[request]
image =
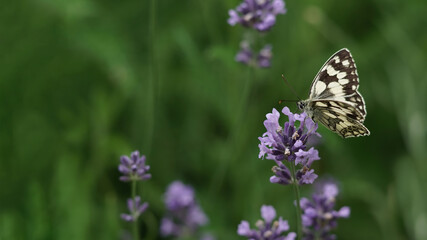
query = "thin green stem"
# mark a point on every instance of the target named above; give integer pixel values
(152, 75)
(297, 196)
(133, 188)
(135, 222)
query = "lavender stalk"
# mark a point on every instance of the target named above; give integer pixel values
(298, 207)
(287, 144)
(135, 231)
(134, 170)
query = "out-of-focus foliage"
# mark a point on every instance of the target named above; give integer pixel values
(83, 82)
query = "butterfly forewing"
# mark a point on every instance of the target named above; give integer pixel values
(334, 100)
(338, 80)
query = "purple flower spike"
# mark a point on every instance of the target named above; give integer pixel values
(135, 208)
(133, 168)
(288, 144)
(267, 228)
(319, 216)
(257, 14)
(184, 215)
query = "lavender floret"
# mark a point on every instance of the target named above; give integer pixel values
(245, 55)
(266, 229)
(264, 57)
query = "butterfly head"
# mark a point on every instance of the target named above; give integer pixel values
(301, 105)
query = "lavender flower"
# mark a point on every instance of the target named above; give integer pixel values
(133, 168)
(179, 196)
(247, 56)
(319, 216)
(257, 14)
(264, 57)
(184, 215)
(267, 229)
(135, 208)
(289, 143)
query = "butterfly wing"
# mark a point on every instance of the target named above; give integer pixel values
(337, 80)
(339, 117)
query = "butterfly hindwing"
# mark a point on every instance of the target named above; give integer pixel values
(339, 117)
(338, 80)
(356, 100)
(338, 106)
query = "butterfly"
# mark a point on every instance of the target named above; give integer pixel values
(334, 100)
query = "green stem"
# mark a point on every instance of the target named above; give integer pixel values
(297, 195)
(135, 223)
(133, 188)
(152, 75)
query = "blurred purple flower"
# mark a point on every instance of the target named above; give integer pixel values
(267, 229)
(133, 168)
(168, 227)
(184, 215)
(264, 57)
(247, 57)
(135, 208)
(245, 54)
(319, 216)
(289, 143)
(257, 14)
(178, 196)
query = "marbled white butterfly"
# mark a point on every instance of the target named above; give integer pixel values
(334, 100)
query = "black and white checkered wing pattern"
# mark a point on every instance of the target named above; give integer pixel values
(337, 80)
(334, 100)
(339, 117)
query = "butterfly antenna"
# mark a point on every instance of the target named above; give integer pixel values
(285, 100)
(292, 89)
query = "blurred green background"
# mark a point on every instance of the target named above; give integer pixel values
(83, 82)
